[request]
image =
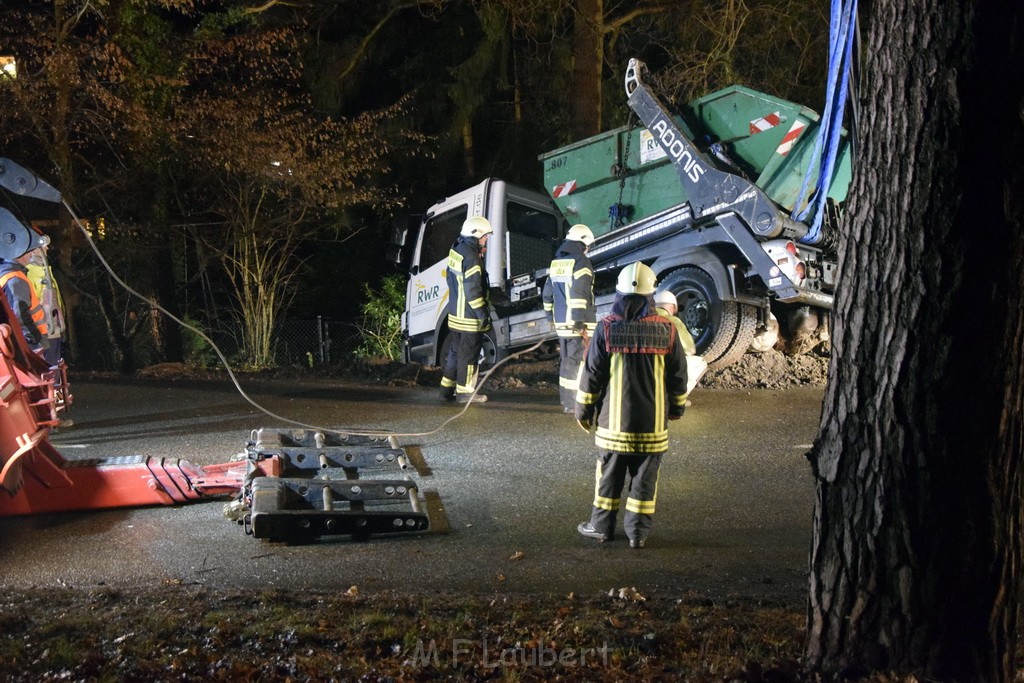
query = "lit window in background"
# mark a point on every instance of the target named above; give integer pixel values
(8, 66)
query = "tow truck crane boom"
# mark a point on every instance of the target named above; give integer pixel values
(289, 485)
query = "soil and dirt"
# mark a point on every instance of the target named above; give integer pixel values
(769, 370)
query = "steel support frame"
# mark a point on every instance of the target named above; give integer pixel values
(320, 491)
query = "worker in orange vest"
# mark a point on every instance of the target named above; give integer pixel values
(22, 298)
(45, 285)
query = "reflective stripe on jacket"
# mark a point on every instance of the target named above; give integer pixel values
(45, 284)
(634, 378)
(569, 291)
(16, 285)
(468, 309)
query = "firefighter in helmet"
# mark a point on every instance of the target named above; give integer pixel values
(45, 285)
(632, 383)
(668, 307)
(469, 314)
(569, 297)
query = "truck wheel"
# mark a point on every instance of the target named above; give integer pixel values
(722, 330)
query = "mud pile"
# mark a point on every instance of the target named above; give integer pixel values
(769, 370)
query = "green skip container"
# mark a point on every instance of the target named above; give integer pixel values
(768, 140)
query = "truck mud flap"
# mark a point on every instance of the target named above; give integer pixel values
(327, 488)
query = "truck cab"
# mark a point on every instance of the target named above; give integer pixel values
(527, 230)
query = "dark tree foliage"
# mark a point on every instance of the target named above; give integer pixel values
(486, 86)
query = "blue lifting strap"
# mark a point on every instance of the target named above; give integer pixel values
(841, 32)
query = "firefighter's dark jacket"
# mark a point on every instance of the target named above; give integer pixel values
(23, 301)
(569, 291)
(634, 379)
(468, 309)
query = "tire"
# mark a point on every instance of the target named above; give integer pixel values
(488, 351)
(445, 345)
(722, 330)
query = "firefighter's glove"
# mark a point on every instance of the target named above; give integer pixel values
(584, 425)
(581, 329)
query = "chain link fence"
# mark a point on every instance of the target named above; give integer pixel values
(315, 342)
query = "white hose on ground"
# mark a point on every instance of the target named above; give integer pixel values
(234, 380)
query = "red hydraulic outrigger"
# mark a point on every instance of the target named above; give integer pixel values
(291, 485)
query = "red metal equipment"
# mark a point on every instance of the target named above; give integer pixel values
(35, 478)
(290, 485)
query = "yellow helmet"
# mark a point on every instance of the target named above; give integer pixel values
(580, 233)
(476, 226)
(636, 278)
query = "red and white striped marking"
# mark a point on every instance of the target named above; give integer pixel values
(765, 123)
(564, 189)
(790, 138)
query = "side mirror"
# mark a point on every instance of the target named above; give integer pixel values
(404, 231)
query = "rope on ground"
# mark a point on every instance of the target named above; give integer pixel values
(234, 380)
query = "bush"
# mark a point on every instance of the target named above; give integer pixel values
(380, 325)
(196, 350)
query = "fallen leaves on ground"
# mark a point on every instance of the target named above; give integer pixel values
(195, 633)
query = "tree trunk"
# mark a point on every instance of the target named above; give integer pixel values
(468, 153)
(121, 342)
(584, 97)
(916, 554)
(166, 332)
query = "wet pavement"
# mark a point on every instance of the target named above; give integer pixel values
(513, 477)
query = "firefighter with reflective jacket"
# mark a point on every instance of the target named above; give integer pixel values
(21, 295)
(45, 285)
(469, 315)
(569, 297)
(633, 382)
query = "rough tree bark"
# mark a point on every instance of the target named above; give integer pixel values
(916, 555)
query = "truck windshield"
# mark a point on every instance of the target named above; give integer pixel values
(533, 236)
(439, 235)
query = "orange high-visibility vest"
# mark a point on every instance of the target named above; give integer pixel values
(35, 308)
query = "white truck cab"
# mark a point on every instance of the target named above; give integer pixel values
(527, 231)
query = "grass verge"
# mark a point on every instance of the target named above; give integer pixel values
(185, 633)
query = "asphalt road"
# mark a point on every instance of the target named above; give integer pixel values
(513, 476)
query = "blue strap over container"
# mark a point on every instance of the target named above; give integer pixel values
(841, 32)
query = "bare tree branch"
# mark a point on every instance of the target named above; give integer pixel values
(368, 38)
(614, 25)
(271, 3)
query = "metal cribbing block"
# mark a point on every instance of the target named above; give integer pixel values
(309, 438)
(313, 450)
(288, 509)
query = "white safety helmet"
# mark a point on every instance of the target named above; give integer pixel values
(476, 226)
(665, 297)
(580, 233)
(636, 278)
